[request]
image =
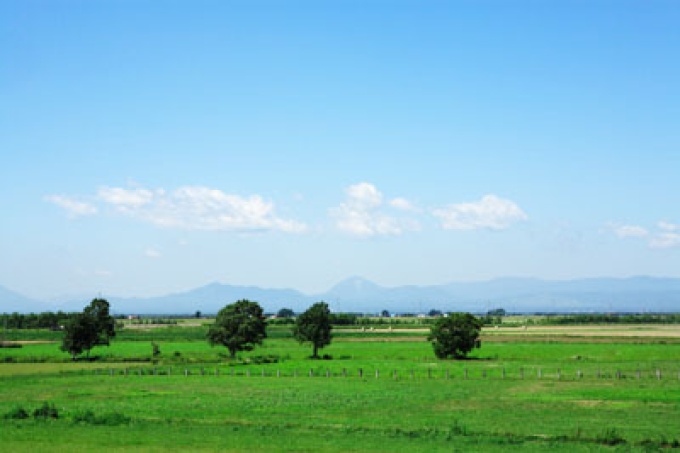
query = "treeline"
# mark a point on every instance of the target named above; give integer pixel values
(45, 320)
(623, 318)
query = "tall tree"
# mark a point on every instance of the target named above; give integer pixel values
(239, 327)
(314, 326)
(104, 322)
(93, 327)
(455, 335)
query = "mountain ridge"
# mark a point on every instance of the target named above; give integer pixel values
(358, 294)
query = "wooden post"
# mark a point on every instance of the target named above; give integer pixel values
(502, 373)
(658, 374)
(311, 372)
(278, 373)
(377, 374)
(328, 373)
(521, 373)
(361, 372)
(394, 373)
(559, 374)
(344, 372)
(186, 372)
(638, 374)
(579, 374)
(466, 373)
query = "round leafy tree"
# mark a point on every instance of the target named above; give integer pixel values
(93, 327)
(239, 327)
(455, 335)
(314, 326)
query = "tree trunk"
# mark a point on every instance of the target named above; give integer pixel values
(315, 355)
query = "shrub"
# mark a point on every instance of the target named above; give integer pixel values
(47, 410)
(611, 437)
(18, 413)
(107, 419)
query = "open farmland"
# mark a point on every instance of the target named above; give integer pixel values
(515, 393)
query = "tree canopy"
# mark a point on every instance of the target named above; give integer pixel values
(455, 336)
(239, 327)
(93, 327)
(314, 326)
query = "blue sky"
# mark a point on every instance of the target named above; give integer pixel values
(151, 147)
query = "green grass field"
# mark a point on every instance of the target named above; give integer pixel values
(518, 395)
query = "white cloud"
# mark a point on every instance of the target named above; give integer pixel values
(126, 199)
(671, 227)
(491, 212)
(198, 208)
(152, 253)
(74, 208)
(629, 231)
(665, 241)
(402, 204)
(189, 208)
(363, 214)
(666, 236)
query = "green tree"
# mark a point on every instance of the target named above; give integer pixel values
(93, 327)
(285, 313)
(314, 326)
(455, 335)
(105, 324)
(239, 327)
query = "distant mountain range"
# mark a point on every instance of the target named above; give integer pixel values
(356, 294)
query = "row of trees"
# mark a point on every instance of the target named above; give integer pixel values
(242, 325)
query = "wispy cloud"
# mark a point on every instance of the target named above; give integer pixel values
(491, 212)
(152, 253)
(74, 207)
(666, 235)
(629, 231)
(364, 214)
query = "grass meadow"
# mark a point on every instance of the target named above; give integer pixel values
(375, 392)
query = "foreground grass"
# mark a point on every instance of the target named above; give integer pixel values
(337, 414)
(267, 401)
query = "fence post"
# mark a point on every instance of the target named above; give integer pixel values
(186, 372)
(578, 374)
(521, 373)
(658, 374)
(278, 373)
(311, 372)
(328, 373)
(466, 373)
(503, 373)
(638, 374)
(344, 372)
(377, 374)
(559, 374)
(394, 373)
(361, 372)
